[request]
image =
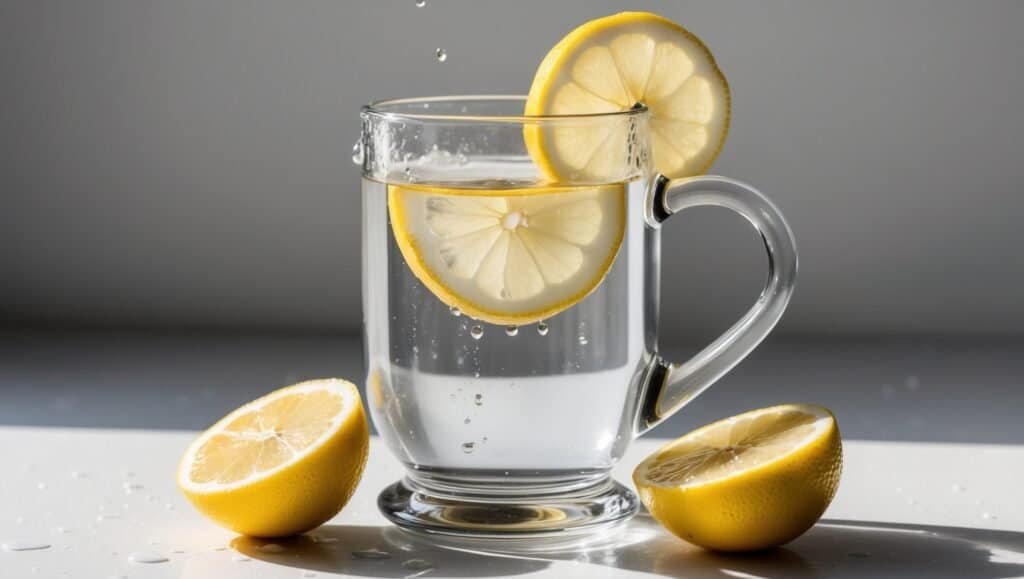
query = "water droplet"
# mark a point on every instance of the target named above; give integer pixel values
(42, 486)
(417, 564)
(106, 517)
(542, 328)
(308, 574)
(476, 332)
(240, 558)
(468, 447)
(63, 530)
(467, 420)
(455, 311)
(484, 440)
(25, 546)
(511, 330)
(271, 548)
(988, 516)
(147, 557)
(421, 3)
(441, 55)
(357, 152)
(478, 400)
(958, 488)
(583, 340)
(374, 554)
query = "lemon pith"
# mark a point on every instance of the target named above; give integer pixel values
(509, 256)
(611, 64)
(282, 464)
(753, 481)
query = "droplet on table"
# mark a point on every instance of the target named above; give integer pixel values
(24, 546)
(374, 554)
(147, 557)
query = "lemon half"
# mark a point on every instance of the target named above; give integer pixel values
(282, 464)
(612, 64)
(753, 481)
(510, 256)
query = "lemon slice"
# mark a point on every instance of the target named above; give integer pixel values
(282, 464)
(613, 64)
(510, 256)
(749, 482)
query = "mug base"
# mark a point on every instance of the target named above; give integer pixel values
(414, 508)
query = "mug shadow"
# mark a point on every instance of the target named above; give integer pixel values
(833, 548)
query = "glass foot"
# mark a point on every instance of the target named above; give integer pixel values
(414, 508)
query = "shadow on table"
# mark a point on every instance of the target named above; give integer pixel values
(833, 548)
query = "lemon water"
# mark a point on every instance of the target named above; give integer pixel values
(462, 398)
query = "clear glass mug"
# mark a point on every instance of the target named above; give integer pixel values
(510, 432)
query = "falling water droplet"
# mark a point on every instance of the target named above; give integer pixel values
(542, 328)
(478, 400)
(25, 546)
(511, 330)
(476, 332)
(147, 558)
(357, 152)
(421, 3)
(468, 447)
(441, 55)
(374, 554)
(583, 340)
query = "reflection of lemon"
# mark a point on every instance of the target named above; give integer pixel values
(511, 256)
(749, 482)
(281, 464)
(613, 64)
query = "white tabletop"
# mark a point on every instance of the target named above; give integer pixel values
(101, 500)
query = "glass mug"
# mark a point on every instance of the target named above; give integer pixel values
(511, 431)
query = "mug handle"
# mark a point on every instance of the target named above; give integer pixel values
(668, 387)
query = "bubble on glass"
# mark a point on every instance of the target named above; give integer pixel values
(511, 331)
(441, 54)
(478, 400)
(468, 447)
(583, 340)
(542, 328)
(476, 332)
(357, 152)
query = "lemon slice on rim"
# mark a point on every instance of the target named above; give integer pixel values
(748, 482)
(613, 64)
(282, 464)
(510, 256)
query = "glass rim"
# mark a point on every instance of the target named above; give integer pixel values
(378, 109)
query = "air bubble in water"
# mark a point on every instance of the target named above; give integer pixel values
(542, 328)
(468, 447)
(421, 3)
(583, 340)
(357, 152)
(441, 55)
(511, 330)
(476, 332)
(478, 400)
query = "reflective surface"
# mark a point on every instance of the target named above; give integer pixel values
(105, 500)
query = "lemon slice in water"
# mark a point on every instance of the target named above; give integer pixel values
(510, 256)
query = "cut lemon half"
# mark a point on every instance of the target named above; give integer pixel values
(510, 256)
(613, 64)
(753, 481)
(282, 464)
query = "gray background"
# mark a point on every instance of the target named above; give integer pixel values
(186, 164)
